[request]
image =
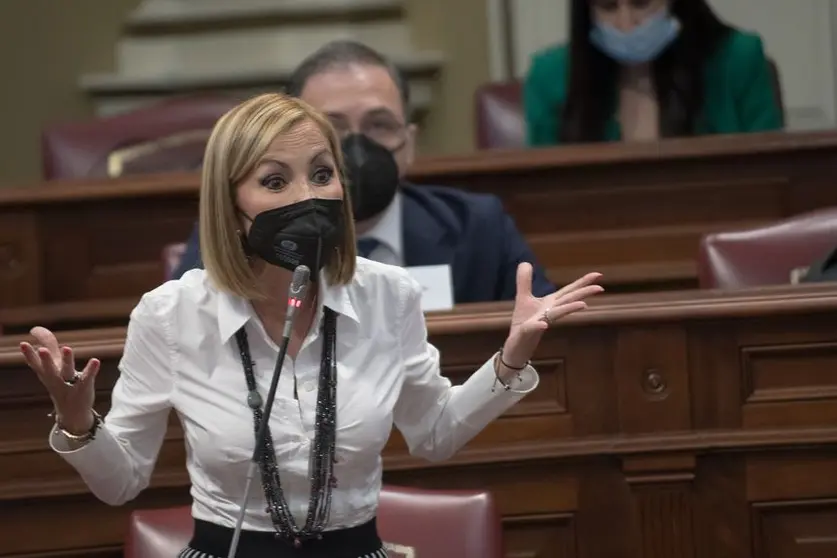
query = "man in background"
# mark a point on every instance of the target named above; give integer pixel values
(367, 101)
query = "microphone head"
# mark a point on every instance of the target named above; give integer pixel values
(299, 281)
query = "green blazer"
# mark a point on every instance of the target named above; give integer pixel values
(740, 92)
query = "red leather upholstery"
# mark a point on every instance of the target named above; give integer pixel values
(502, 124)
(437, 523)
(167, 136)
(499, 114)
(158, 533)
(766, 255)
(172, 255)
(441, 523)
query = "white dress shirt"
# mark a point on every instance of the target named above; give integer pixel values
(388, 232)
(180, 353)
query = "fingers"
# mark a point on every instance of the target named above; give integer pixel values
(557, 312)
(48, 364)
(46, 339)
(579, 294)
(91, 370)
(68, 363)
(31, 357)
(532, 326)
(570, 303)
(41, 362)
(581, 282)
(524, 279)
(51, 372)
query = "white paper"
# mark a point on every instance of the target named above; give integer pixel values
(436, 284)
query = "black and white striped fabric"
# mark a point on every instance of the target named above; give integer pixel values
(189, 552)
(210, 540)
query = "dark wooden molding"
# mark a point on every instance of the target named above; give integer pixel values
(716, 462)
(635, 212)
(268, 18)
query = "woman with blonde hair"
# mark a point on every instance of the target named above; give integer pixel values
(357, 359)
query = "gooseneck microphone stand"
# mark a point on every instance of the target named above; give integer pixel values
(296, 294)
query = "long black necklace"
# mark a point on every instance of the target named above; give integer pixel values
(321, 466)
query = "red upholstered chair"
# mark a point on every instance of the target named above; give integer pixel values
(158, 533)
(164, 137)
(766, 255)
(499, 114)
(172, 254)
(439, 523)
(412, 522)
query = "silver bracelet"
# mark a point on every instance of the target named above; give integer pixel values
(507, 385)
(82, 438)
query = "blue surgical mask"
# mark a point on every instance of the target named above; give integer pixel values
(639, 45)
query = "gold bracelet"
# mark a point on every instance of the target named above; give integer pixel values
(87, 436)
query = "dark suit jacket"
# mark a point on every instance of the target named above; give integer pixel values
(470, 232)
(824, 270)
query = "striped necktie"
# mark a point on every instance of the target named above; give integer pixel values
(365, 246)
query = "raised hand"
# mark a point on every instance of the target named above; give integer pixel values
(72, 392)
(532, 315)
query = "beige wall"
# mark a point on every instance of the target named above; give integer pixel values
(45, 45)
(459, 29)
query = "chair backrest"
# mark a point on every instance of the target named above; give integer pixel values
(412, 522)
(172, 254)
(158, 533)
(439, 523)
(500, 120)
(765, 255)
(499, 114)
(164, 137)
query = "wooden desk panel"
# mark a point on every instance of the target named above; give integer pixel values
(633, 212)
(680, 424)
(68, 316)
(90, 247)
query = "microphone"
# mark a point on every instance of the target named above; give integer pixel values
(296, 294)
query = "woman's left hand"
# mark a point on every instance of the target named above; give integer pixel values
(532, 315)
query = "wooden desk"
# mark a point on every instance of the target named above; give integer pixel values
(633, 212)
(683, 424)
(65, 316)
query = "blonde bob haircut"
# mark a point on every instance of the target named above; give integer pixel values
(238, 142)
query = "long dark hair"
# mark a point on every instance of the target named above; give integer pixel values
(677, 74)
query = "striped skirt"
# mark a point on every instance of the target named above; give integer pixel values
(213, 541)
(190, 552)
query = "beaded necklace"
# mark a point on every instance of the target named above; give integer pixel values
(321, 465)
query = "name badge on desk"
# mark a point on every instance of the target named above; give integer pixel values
(436, 285)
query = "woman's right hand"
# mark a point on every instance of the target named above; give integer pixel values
(72, 392)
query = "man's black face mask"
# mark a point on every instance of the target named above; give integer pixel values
(372, 174)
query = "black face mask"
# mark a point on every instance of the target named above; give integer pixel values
(303, 233)
(372, 174)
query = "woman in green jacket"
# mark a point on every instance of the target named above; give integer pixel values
(648, 69)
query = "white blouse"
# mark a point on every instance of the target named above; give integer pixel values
(180, 353)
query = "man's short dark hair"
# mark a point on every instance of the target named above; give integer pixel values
(343, 53)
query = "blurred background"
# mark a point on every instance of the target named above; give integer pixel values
(73, 60)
